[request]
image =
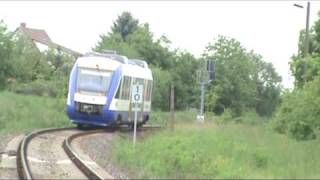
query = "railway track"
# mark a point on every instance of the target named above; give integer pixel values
(23, 163)
(23, 167)
(77, 160)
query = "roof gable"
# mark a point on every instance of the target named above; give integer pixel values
(42, 37)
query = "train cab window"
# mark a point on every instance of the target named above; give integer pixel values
(94, 81)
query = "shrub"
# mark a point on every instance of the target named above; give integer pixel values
(226, 115)
(39, 87)
(260, 159)
(299, 113)
(248, 117)
(301, 130)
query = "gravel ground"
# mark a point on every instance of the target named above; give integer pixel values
(4, 140)
(6, 172)
(47, 158)
(99, 148)
(101, 153)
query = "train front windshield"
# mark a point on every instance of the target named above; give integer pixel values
(93, 81)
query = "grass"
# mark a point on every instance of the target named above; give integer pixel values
(24, 113)
(219, 151)
(162, 118)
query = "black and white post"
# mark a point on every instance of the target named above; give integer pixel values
(136, 98)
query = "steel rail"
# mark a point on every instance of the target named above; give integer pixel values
(76, 159)
(23, 167)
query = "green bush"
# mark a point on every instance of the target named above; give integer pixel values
(250, 117)
(226, 116)
(301, 130)
(299, 113)
(260, 159)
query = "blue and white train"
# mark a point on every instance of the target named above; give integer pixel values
(100, 90)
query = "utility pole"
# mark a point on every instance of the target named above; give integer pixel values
(307, 31)
(202, 102)
(306, 40)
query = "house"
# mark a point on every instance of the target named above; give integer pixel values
(42, 40)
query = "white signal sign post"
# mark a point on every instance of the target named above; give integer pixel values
(136, 98)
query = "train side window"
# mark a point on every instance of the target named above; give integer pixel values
(149, 90)
(139, 81)
(125, 93)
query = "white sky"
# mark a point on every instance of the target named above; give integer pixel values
(270, 28)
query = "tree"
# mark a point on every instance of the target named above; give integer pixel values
(139, 44)
(299, 113)
(5, 54)
(161, 85)
(168, 66)
(267, 85)
(28, 64)
(125, 25)
(243, 81)
(183, 75)
(306, 68)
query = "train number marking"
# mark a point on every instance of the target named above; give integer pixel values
(137, 91)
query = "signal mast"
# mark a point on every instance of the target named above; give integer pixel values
(206, 75)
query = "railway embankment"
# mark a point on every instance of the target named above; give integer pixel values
(25, 113)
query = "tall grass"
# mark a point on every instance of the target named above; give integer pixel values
(224, 151)
(162, 118)
(23, 113)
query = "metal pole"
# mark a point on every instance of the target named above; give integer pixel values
(172, 108)
(135, 124)
(202, 101)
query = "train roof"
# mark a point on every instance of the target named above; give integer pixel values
(136, 71)
(131, 67)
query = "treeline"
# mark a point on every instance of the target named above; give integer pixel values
(244, 82)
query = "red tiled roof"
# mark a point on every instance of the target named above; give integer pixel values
(37, 35)
(41, 36)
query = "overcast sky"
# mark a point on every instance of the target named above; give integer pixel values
(270, 28)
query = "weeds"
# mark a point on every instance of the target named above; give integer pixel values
(223, 151)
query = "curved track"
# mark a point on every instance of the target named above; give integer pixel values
(23, 167)
(77, 160)
(23, 164)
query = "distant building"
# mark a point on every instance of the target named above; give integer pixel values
(42, 40)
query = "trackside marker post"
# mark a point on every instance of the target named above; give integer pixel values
(136, 98)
